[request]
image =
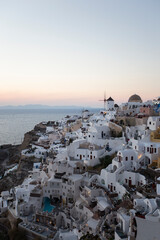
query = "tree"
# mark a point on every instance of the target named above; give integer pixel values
(105, 161)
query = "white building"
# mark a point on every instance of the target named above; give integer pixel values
(153, 123)
(98, 134)
(147, 219)
(34, 151)
(121, 173)
(150, 149)
(128, 158)
(89, 153)
(65, 180)
(29, 195)
(110, 104)
(122, 228)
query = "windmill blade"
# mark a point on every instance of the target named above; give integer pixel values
(104, 100)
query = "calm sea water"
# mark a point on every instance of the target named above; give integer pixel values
(14, 123)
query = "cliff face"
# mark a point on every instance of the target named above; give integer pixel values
(16, 178)
(29, 137)
(11, 155)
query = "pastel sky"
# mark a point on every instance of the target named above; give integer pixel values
(68, 52)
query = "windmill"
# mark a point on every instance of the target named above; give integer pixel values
(104, 100)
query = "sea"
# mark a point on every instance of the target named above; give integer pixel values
(14, 123)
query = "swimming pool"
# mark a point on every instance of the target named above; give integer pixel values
(47, 207)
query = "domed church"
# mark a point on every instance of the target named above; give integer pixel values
(132, 107)
(135, 98)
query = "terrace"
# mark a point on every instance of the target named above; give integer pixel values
(89, 146)
(34, 229)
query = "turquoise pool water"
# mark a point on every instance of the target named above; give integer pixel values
(47, 205)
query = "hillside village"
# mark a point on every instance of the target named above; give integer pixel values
(89, 176)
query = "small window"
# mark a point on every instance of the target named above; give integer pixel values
(132, 158)
(126, 158)
(103, 182)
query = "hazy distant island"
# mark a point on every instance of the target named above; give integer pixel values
(40, 106)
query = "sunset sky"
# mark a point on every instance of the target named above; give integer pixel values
(68, 52)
